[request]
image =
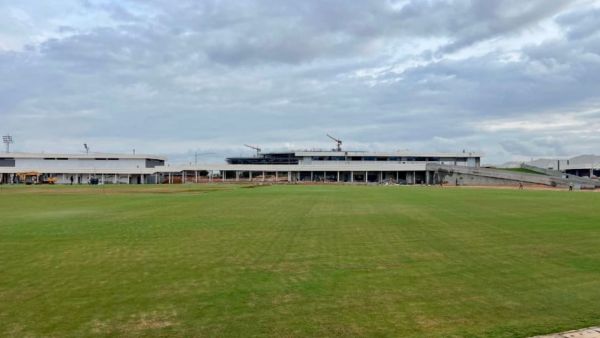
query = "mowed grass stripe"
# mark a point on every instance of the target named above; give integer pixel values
(224, 260)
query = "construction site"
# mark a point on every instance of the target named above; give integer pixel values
(335, 165)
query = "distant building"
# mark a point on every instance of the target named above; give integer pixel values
(582, 165)
(292, 166)
(113, 168)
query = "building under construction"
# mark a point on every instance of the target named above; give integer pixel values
(335, 166)
(293, 166)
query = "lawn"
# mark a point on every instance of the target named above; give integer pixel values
(230, 261)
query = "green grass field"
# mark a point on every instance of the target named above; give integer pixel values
(221, 261)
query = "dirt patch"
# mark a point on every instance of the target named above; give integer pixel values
(590, 332)
(136, 323)
(254, 186)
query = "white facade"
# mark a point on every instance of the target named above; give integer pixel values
(81, 168)
(318, 166)
(582, 165)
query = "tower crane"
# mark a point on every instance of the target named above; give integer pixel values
(255, 148)
(337, 142)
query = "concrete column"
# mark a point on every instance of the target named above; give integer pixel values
(115, 179)
(426, 177)
(380, 177)
(277, 176)
(352, 177)
(183, 176)
(210, 175)
(414, 178)
(196, 174)
(366, 177)
(289, 176)
(170, 179)
(397, 176)
(128, 179)
(338, 177)
(263, 176)
(250, 175)
(311, 176)
(142, 179)
(155, 178)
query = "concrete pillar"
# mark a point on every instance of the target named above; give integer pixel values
(101, 178)
(115, 179)
(128, 179)
(338, 177)
(397, 176)
(250, 175)
(210, 175)
(277, 176)
(352, 177)
(366, 177)
(263, 176)
(380, 177)
(414, 178)
(289, 176)
(170, 178)
(183, 176)
(155, 178)
(311, 176)
(426, 177)
(196, 174)
(142, 178)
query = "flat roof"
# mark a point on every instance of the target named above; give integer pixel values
(376, 153)
(82, 156)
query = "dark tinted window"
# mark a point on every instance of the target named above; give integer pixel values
(7, 162)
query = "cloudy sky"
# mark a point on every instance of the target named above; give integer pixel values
(514, 79)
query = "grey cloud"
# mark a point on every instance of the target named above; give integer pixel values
(581, 24)
(220, 74)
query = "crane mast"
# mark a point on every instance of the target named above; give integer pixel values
(255, 148)
(337, 142)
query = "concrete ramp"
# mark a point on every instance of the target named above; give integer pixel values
(460, 175)
(590, 332)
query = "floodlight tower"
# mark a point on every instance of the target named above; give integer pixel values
(87, 149)
(255, 148)
(337, 142)
(7, 140)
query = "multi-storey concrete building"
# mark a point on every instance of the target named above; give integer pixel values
(582, 165)
(346, 166)
(293, 166)
(79, 168)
